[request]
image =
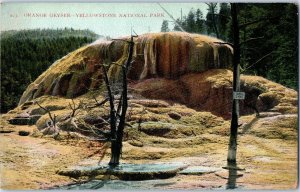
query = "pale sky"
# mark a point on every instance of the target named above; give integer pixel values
(16, 16)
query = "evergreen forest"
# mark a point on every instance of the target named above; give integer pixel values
(268, 36)
(26, 54)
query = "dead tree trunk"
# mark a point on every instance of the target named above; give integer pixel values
(112, 110)
(52, 128)
(117, 134)
(70, 122)
(235, 103)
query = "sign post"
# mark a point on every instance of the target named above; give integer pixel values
(239, 95)
(232, 147)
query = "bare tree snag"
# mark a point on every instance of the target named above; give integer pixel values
(243, 25)
(74, 108)
(117, 96)
(251, 39)
(118, 117)
(224, 43)
(98, 104)
(259, 60)
(111, 104)
(52, 128)
(236, 86)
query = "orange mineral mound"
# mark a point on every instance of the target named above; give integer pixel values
(168, 55)
(212, 91)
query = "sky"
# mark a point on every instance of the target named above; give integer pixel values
(107, 19)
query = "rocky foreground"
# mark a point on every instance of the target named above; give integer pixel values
(158, 132)
(267, 151)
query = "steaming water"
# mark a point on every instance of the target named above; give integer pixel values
(101, 40)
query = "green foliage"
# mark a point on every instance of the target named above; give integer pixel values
(48, 33)
(193, 22)
(212, 19)
(176, 27)
(165, 26)
(26, 54)
(270, 44)
(223, 20)
(200, 23)
(268, 36)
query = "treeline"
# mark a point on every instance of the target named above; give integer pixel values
(48, 33)
(268, 35)
(26, 54)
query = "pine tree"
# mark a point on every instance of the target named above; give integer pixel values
(224, 17)
(200, 28)
(190, 22)
(176, 27)
(165, 26)
(212, 20)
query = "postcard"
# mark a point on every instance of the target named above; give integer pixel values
(149, 96)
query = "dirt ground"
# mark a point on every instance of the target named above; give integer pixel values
(29, 162)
